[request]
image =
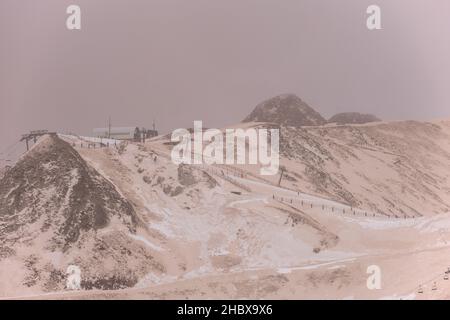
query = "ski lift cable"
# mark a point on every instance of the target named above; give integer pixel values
(14, 149)
(10, 147)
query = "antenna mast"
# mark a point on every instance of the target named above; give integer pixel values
(109, 127)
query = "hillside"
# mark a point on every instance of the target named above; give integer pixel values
(55, 210)
(2, 171)
(392, 168)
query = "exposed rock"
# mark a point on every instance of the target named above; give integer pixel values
(288, 110)
(186, 176)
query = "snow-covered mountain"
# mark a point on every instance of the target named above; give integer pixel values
(140, 226)
(56, 211)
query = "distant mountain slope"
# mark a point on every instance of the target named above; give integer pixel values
(353, 118)
(288, 110)
(397, 167)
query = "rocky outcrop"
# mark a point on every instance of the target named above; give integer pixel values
(287, 110)
(393, 168)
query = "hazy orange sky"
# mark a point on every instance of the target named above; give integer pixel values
(176, 61)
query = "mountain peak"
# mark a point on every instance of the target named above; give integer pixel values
(286, 109)
(52, 183)
(53, 203)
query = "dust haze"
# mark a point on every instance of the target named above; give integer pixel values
(178, 61)
(360, 133)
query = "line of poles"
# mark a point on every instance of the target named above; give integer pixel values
(349, 211)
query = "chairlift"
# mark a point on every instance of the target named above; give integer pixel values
(420, 290)
(434, 288)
